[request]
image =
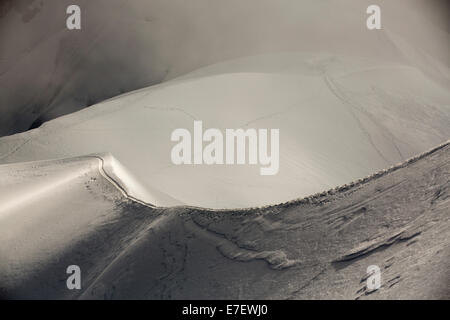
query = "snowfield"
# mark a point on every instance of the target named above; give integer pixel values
(340, 119)
(87, 176)
(47, 71)
(317, 247)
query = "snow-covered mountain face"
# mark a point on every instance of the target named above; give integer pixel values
(316, 248)
(346, 100)
(100, 188)
(47, 71)
(339, 118)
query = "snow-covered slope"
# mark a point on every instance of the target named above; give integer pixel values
(319, 247)
(47, 71)
(340, 118)
(97, 188)
(27, 183)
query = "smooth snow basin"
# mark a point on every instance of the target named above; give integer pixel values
(340, 118)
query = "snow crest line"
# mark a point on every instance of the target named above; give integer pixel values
(297, 201)
(116, 184)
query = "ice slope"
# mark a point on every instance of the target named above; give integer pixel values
(318, 247)
(47, 71)
(340, 118)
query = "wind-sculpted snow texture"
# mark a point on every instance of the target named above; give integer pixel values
(316, 247)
